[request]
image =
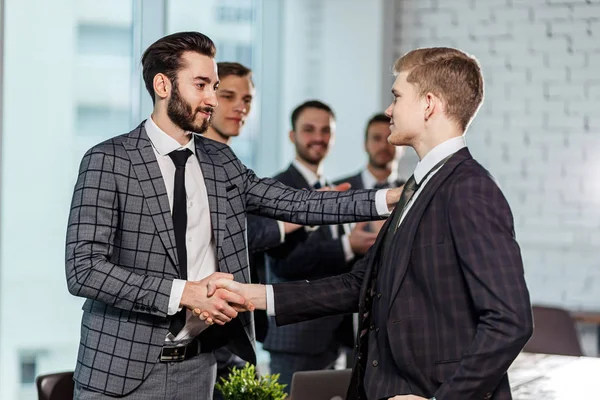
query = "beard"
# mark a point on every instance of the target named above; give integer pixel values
(182, 114)
(378, 163)
(305, 155)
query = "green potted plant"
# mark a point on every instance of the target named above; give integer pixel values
(245, 384)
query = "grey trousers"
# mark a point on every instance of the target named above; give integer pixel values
(189, 379)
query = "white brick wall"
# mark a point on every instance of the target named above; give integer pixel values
(538, 131)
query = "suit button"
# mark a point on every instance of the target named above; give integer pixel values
(378, 295)
(487, 396)
(136, 307)
(376, 329)
(372, 327)
(375, 363)
(154, 308)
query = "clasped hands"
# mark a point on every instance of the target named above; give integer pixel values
(214, 300)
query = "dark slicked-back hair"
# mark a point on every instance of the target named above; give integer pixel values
(164, 56)
(226, 69)
(376, 118)
(309, 104)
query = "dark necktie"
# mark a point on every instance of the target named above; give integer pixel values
(410, 187)
(317, 185)
(381, 185)
(179, 158)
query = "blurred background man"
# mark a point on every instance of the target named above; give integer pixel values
(326, 251)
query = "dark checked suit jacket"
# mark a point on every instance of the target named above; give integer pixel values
(451, 311)
(121, 253)
(306, 256)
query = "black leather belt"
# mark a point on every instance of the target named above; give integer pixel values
(185, 352)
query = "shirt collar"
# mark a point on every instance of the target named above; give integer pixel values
(370, 181)
(163, 143)
(310, 177)
(437, 154)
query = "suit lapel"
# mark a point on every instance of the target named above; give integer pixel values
(405, 236)
(297, 179)
(375, 258)
(215, 180)
(140, 151)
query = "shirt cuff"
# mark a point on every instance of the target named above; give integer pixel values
(381, 203)
(310, 228)
(270, 301)
(281, 226)
(348, 253)
(175, 298)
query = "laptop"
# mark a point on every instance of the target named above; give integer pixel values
(320, 385)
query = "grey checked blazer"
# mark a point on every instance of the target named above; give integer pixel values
(121, 254)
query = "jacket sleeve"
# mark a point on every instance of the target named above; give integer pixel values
(90, 244)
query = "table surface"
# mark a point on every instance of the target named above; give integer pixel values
(552, 377)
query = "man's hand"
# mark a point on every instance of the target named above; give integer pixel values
(254, 293)
(392, 197)
(288, 227)
(360, 239)
(375, 226)
(408, 397)
(221, 306)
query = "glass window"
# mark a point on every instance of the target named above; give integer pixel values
(67, 84)
(28, 369)
(231, 25)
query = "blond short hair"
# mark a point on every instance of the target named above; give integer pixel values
(450, 74)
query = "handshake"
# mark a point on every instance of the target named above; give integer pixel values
(218, 298)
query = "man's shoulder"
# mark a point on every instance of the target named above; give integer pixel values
(472, 177)
(356, 178)
(472, 169)
(111, 147)
(213, 145)
(286, 176)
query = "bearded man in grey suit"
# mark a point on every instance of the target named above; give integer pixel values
(158, 212)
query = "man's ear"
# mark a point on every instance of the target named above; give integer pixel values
(162, 86)
(430, 105)
(292, 136)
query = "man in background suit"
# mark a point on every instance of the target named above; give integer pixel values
(330, 250)
(443, 305)
(155, 213)
(381, 170)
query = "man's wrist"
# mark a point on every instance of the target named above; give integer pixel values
(258, 296)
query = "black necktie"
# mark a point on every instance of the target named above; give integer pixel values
(317, 185)
(179, 158)
(381, 185)
(410, 187)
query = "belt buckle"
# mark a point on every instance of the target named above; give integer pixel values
(170, 354)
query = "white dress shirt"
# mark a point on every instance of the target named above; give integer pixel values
(201, 249)
(369, 180)
(431, 159)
